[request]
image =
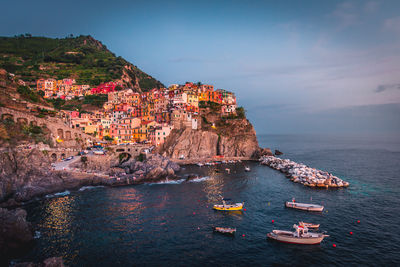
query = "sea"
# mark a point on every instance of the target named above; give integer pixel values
(170, 223)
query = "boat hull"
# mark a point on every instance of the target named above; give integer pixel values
(302, 206)
(296, 240)
(238, 206)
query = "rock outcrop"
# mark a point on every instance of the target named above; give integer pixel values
(236, 138)
(50, 262)
(15, 233)
(28, 174)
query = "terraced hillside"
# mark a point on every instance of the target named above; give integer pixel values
(83, 58)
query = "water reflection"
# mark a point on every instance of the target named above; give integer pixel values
(213, 186)
(58, 214)
(58, 221)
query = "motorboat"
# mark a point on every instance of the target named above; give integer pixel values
(246, 168)
(304, 206)
(225, 230)
(200, 164)
(226, 206)
(309, 225)
(301, 235)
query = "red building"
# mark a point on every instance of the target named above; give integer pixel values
(105, 88)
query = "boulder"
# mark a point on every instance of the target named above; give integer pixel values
(16, 233)
(156, 173)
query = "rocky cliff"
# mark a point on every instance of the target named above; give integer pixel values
(25, 174)
(230, 138)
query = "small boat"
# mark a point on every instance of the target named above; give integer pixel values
(309, 225)
(246, 168)
(228, 170)
(200, 164)
(225, 230)
(304, 206)
(299, 236)
(227, 206)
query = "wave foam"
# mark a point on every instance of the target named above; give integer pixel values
(200, 179)
(89, 187)
(169, 182)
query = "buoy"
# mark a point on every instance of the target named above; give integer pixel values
(269, 203)
(243, 235)
(272, 221)
(244, 209)
(334, 245)
(351, 233)
(358, 221)
(194, 213)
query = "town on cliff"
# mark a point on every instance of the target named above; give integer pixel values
(148, 117)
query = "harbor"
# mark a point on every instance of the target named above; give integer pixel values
(303, 174)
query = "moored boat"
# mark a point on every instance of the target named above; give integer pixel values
(246, 168)
(309, 225)
(304, 206)
(225, 230)
(299, 236)
(228, 206)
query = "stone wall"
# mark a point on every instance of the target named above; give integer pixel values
(55, 125)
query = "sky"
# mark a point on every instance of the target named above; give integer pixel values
(296, 66)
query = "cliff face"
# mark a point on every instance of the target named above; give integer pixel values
(234, 138)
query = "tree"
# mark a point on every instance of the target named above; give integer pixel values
(108, 138)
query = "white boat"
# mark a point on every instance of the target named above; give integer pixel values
(200, 164)
(246, 168)
(225, 230)
(299, 236)
(304, 206)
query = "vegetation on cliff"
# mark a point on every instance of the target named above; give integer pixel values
(15, 133)
(83, 58)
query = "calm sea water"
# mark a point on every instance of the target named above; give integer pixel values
(171, 223)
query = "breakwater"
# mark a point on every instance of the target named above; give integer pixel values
(303, 174)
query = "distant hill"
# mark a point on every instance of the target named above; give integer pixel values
(83, 58)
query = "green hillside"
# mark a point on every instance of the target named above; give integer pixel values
(83, 58)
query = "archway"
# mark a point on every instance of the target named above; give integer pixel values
(22, 121)
(54, 157)
(34, 123)
(68, 135)
(60, 133)
(7, 116)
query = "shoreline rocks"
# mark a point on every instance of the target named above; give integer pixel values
(28, 175)
(300, 173)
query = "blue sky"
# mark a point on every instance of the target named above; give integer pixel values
(296, 66)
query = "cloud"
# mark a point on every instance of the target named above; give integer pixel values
(392, 24)
(346, 13)
(384, 87)
(371, 6)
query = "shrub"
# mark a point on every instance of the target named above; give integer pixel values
(240, 112)
(141, 158)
